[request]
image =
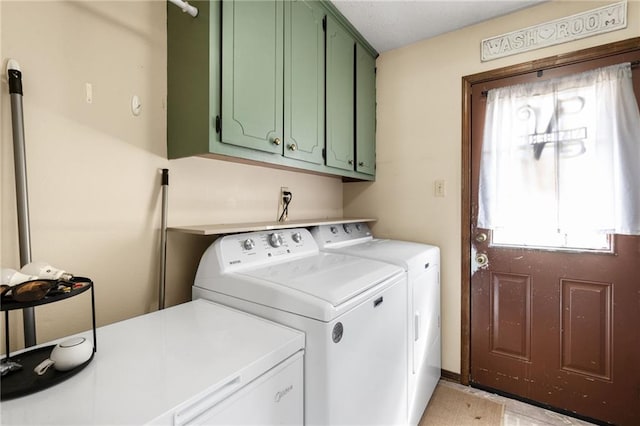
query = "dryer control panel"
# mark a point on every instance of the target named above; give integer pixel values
(341, 234)
(257, 248)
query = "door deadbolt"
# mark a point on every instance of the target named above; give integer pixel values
(481, 237)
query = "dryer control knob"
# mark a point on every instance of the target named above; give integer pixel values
(248, 244)
(347, 228)
(275, 240)
(334, 230)
(296, 236)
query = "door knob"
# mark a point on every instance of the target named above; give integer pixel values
(481, 237)
(293, 147)
(361, 163)
(350, 162)
(482, 259)
(277, 141)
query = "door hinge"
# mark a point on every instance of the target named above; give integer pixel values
(324, 23)
(218, 124)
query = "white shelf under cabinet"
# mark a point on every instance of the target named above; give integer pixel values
(232, 228)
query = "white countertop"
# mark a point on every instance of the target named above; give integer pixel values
(148, 366)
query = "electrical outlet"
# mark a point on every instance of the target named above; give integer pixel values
(283, 189)
(283, 203)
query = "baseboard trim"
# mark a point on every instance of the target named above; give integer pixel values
(450, 376)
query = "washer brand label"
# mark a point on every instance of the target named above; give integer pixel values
(235, 262)
(336, 334)
(282, 393)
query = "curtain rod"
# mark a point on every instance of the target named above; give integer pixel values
(186, 7)
(484, 93)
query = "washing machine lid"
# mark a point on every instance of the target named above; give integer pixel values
(331, 277)
(406, 254)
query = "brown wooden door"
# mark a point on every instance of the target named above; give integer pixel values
(558, 328)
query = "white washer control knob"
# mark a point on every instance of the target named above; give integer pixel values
(334, 230)
(248, 244)
(347, 228)
(275, 240)
(296, 236)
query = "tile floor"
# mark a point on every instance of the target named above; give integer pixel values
(518, 413)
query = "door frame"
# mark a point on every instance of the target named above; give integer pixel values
(570, 58)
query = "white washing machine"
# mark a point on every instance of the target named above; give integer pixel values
(422, 265)
(352, 310)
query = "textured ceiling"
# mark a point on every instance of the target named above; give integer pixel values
(389, 24)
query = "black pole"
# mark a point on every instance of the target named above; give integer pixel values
(163, 240)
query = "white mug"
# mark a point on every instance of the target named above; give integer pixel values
(66, 355)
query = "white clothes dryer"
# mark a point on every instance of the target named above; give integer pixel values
(352, 311)
(422, 265)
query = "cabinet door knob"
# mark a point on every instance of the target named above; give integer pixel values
(293, 147)
(277, 141)
(361, 163)
(350, 162)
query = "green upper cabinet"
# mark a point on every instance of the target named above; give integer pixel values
(304, 80)
(277, 82)
(365, 111)
(340, 96)
(252, 69)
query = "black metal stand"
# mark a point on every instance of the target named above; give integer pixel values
(25, 381)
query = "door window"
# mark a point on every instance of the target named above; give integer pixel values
(560, 160)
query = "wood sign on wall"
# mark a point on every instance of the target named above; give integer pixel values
(596, 21)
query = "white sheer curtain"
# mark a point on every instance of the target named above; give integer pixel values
(563, 154)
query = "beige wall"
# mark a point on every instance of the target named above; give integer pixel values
(93, 169)
(419, 139)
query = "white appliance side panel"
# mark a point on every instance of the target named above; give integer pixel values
(426, 311)
(429, 375)
(276, 398)
(424, 333)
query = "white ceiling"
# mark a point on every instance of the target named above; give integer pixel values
(388, 24)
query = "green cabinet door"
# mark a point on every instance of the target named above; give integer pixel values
(304, 80)
(252, 74)
(340, 96)
(193, 79)
(365, 111)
